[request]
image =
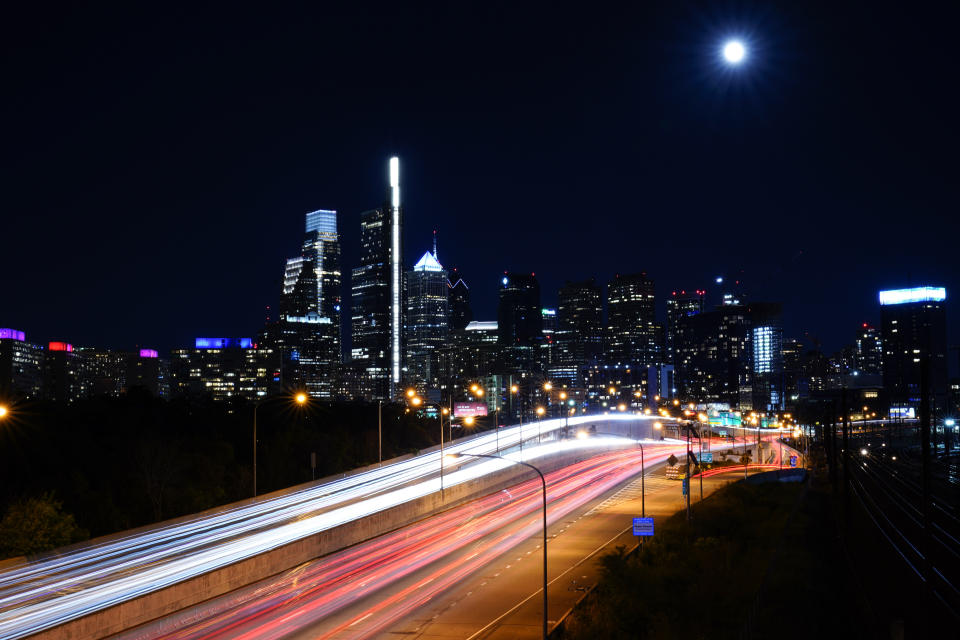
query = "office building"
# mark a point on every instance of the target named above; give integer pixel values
(914, 334)
(733, 356)
(63, 374)
(519, 314)
(631, 332)
(427, 318)
(21, 367)
(869, 350)
(224, 369)
(459, 302)
(681, 304)
(579, 334)
(377, 294)
(306, 334)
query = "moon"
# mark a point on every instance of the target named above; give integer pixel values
(734, 52)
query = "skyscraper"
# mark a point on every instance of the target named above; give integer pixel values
(869, 348)
(681, 304)
(580, 322)
(306, 335)
(460, 313)
(519, 316)
(631, 335)
(427, 319)
(914, 323)
(377, 289)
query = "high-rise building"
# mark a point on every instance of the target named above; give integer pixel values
(428, 315)
(580, 322)
(306, 336)
(914, 324)
(224, 368)
(377, 289)
(681, 304)
(63, 379)
(631, 334)
(519, 314)
(460, 313)
(869, 350)
(21, 366)
(732, 355)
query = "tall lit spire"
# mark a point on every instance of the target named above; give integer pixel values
(396, 324)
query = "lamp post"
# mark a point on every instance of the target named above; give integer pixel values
(543, 483)
(300, 398)
(540, 412)
(416, 401)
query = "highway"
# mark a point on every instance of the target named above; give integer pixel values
(392, 584)
(79, 580)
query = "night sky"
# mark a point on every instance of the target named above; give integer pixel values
(158, 162)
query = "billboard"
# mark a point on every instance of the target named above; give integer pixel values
(471, 409)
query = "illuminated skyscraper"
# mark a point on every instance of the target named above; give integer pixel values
(631, 334)
(680, 304)
(519, 315)
(307, 333)
(914, 323)
(580, 322)
(427, 319)
(869, 348)
(377, 293)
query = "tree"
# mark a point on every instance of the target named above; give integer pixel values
(34, 525)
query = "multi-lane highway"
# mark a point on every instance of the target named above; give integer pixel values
(362, 590)
(78, 581)
(408, 581)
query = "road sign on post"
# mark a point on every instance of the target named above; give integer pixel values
(686, 486)
(707, 456)
(643, 526)
(793, 461)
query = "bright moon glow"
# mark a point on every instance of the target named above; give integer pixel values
(734, 52)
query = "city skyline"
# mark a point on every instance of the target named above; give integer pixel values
(507, 178)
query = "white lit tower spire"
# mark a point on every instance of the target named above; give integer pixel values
(396, 318)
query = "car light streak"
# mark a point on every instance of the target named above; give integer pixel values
(85, 578)
(314, 591)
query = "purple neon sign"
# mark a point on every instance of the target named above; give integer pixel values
(12, 334)
(148, 353)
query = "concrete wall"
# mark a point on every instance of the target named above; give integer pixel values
(195, 590)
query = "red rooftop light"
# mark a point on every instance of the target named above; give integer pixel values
(60, 346)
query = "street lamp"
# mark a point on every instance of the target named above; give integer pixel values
(543, 483)
(3, 411)
(300, 398)
(540, 412)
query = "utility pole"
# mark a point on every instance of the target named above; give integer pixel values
(380, 431)
(845, 452)
(925, 465)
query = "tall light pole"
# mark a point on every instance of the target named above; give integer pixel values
(540, 412)
(300, 398)
(543, 483)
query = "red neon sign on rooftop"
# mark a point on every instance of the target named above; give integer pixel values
(60, 346)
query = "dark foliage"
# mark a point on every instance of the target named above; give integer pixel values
(118, 463)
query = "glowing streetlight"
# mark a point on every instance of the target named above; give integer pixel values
(411, 392)
(468, 421)
(416, 401)
(621, 407)
(563, 395)
(300, 398)
(3, 411)
(547, 386)
(541, 411)
(734, 53)
(514, 389)
(479, 393)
